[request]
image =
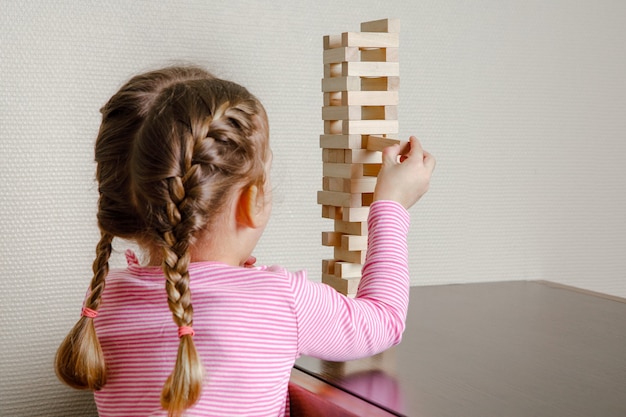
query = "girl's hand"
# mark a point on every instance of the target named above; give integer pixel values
(406, 178)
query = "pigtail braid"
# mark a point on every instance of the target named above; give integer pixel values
(202, 141)
(183, 387)
(79, 360)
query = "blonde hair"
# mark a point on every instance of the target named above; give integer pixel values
(173, 146)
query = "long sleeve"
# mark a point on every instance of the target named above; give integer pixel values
(250, 324)
(334, 327)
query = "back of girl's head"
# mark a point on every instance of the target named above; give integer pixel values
(173, 146)
(122, 118)
(201, 138)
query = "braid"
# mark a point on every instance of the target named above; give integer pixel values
(202, 139)
(183, 387)
(100, 269)
(79, 360)
(176, 258)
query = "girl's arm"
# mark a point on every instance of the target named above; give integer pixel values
(334, 327)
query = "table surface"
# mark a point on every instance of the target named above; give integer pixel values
(527, 348)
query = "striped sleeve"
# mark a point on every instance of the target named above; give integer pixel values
(334, 327)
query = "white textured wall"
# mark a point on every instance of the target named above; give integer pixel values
(522, 102)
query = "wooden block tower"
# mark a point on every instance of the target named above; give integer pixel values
(360, 113)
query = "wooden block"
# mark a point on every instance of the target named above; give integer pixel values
(348, 215)
(332, 41)
(359, 112)
(367, 199)
(335, 127)
(355, 257)
(393, 83)
(373, 113)
(349, 185)
(360, 98)
(380, 55)
(333, 70)
(379, 113)
(341, 141)
(378, 143)
(370, 39)
(332, 212)
(360, 86)
(355, 215)
(340, 199)
(341, 84)
(342, 170)
(345, 286)
(333, 98)
(351, 228)
(360, 185)
(341, 112)
(337, 155)
(380, 84)
(341, 185)
(368, 98)
(364, 69)
(361, 156)
(347, 270)
(382, 25)
(352, 243)
(369, 127)
(371, 170)
(343, 54)
(328, 266)
(331, 238)
(352, 83)
(333, 184)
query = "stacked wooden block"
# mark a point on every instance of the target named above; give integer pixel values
(360, 113)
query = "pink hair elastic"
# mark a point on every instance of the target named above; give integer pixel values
(185, 330)
(87, 312)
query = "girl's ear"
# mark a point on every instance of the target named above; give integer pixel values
(250, 207)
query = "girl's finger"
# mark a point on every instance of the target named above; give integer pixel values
(429, 161)
(390, 154)
(416, 150)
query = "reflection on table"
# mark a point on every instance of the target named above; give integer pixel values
(495, 349)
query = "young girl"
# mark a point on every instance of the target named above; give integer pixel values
(182, 167)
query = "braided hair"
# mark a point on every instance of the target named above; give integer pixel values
(173, 147)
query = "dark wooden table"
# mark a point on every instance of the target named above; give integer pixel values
(490, 349)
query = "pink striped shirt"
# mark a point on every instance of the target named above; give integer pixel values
(251, 325)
